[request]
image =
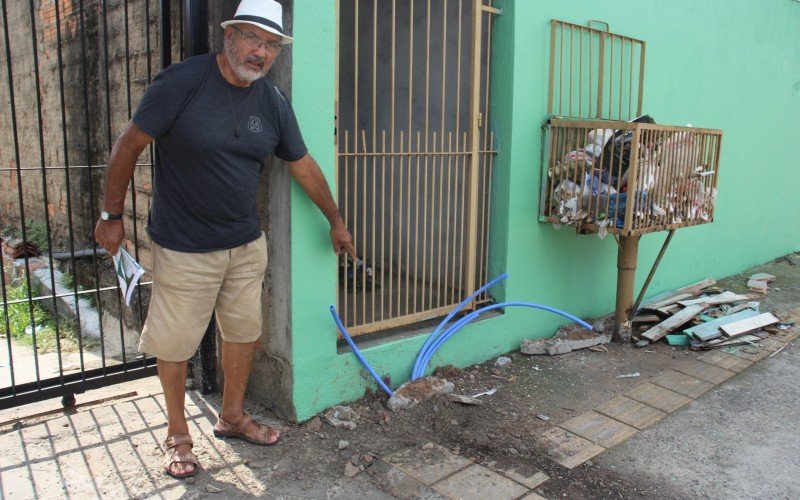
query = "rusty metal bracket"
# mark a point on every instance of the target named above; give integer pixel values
(652, 272)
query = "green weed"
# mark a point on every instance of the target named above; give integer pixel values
(16, 319)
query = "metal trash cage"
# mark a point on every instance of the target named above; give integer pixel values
(628, 178)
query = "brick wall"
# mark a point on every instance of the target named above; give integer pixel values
(55, 171)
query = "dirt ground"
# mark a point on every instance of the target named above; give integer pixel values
(533, 393)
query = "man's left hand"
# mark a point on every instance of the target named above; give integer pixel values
(342, 241)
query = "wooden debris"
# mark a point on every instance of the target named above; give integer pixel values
(742, 307)
(669, 310)
(696, 287)
(677, 320)
(678, 339)
(749, 324)
(779, 350)
(722, 298)
(646, 318)
(666, 299)
(742, 339)
(711, 330)
(667, 302)
(763, 277)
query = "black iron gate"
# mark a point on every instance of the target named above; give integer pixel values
(74, 71)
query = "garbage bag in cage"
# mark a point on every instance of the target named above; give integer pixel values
(617, 151)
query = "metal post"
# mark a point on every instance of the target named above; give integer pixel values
(195, 42)
(626, 274)
(652, 272)
(195, 27)
(166, 33)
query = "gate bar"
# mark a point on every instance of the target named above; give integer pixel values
(73, 383)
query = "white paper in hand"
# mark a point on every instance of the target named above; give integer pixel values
(128, 273)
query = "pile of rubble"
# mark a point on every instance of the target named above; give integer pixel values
(703, 316)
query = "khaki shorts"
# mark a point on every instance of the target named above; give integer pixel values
(187, 287)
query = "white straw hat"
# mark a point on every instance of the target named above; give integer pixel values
(265, 14)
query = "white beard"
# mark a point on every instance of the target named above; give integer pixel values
(238, 65)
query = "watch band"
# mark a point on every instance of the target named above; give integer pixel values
(107, 216)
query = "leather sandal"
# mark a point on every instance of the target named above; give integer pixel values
(225, 430)
(172, 456)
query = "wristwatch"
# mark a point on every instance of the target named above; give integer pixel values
(107, 216)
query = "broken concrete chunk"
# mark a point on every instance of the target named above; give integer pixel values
(560, 345)
(502, 361)
(343, 444)
(414, 391)
(763, 277)
(350, 470)
(465, 400)
(757, 286)
(315, 424)
(342, 416)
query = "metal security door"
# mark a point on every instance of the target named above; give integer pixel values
(73, 72)
(414, 156)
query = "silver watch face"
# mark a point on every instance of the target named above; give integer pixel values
(104, 215)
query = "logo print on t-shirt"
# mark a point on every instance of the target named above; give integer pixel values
(254, 124)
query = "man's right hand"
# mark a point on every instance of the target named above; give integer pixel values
(109, 233)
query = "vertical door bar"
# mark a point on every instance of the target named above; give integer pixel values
(551, 79)
(601, 63)
(474, 148)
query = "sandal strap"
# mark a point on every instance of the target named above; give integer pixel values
(243, 424)
(177, 439)
(184, 458)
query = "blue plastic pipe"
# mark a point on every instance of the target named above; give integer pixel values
(358, 354)
(426, 354)
(433, 336)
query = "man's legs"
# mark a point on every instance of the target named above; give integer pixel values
(173, 380)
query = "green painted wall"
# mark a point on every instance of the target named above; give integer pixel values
(728, 64)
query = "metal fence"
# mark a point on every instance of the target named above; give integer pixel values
(415, 156)
(74, 70)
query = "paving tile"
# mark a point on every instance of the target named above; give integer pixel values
(631, 412)
(658, 397)
(398, 484)
(479, 483)
(682, 384)
(599, 428)
(567, 448)
(704, 371)
(533, 496)
(533, 480)
(427, 466)
(749, 353)
(725, 360)
(786, 335)
(771, 344)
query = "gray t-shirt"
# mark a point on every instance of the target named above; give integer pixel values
(206, 178)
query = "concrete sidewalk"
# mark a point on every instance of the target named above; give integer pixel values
(737, 436)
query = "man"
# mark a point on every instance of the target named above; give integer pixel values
(214, 119)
